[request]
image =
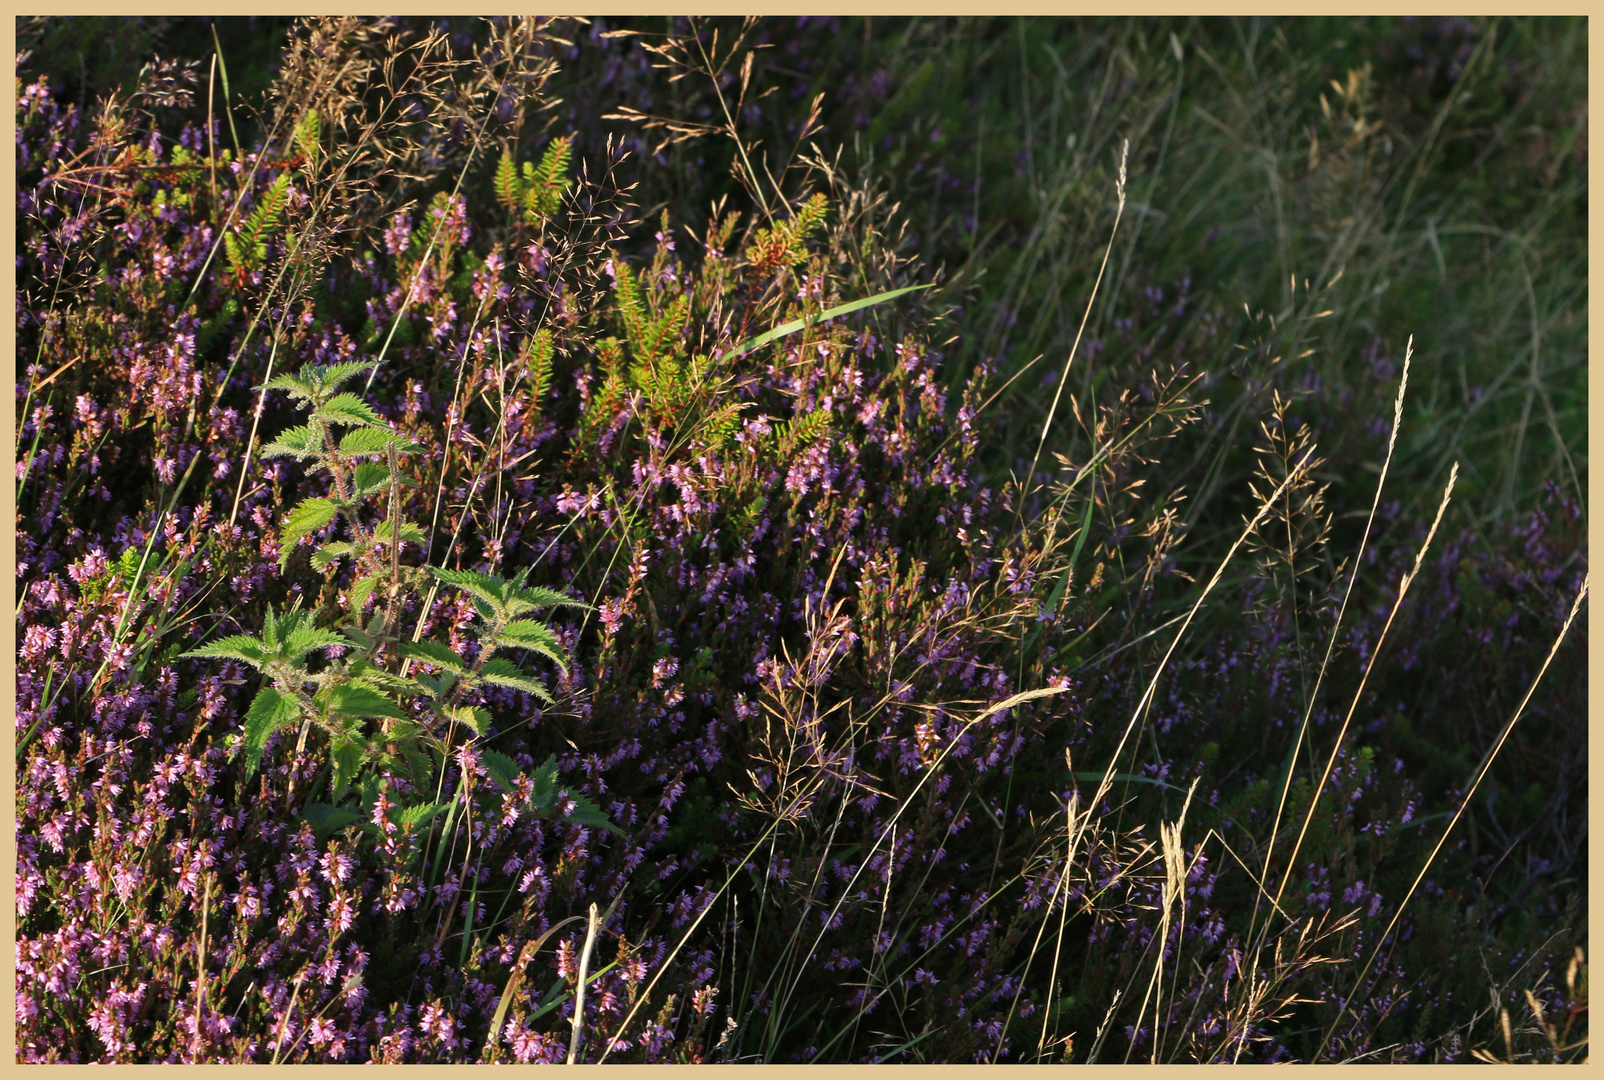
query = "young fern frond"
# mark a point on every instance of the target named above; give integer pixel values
(306, 137)
(509, 187)
(248, 249)
(545, 186)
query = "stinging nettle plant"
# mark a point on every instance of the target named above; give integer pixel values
(371, 679)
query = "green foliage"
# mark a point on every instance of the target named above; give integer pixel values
(358, 702)
(534, 193)
(247, 249)
(306, 137)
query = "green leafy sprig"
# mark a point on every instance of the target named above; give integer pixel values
(383, 703)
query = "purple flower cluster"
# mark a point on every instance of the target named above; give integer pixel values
(810, 597)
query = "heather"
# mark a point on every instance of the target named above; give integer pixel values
(677, 542)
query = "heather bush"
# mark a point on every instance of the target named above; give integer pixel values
(853, 732)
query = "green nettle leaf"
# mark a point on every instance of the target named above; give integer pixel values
(419, 770)
(474, 717)
(326, 819)
(347, 408)
(236, 647)
(535, 636)
(504, 673)
(325, 555)
(368, 477)
(270, 629)
(366, 440)
(410, 533)
(365, 674)
(590, 815)
(543, 796)
(298, 385)
(298, 442)
(437, 687)
(349, 699)
(415, 817)
(537, 596)
(432, 652)
(304, 639)
(271, 711)
(503, 770)
(487, 587)
(360, 591)
(330, 376)
(349, 751)
(543, 799)
(307, 518)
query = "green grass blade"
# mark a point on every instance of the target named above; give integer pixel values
(786, 329)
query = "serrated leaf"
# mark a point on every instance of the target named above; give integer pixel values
(324, 556)
(349, 751)
(308, 517)
(590, 815)
(418, 769)
(376, 678)
(503, 673)
(352, 700)
(534, 636)
(326, 819)
(536, 596)
(368, 477)
(543, 799)
(415, 817)
(384, 683)
(304, 639)
(297, 442)
(269, 712)
(235, 647)
(360, 637)
(432, 652)
(502, 769)
(410, 533)
(474, 717)
(543, 794)
(332, 375)
(360, 591)
(347, 408)
(297, 386)
(435, 686)
(270, 628)
(487, 587)
(365, 440)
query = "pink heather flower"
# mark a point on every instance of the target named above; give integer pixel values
(611, 614)
(341, 915)
(436, 1021)
(336, 867)
(36, 641)
(663, 670)
(90, 567)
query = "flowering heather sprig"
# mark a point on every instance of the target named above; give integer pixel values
(777, 757)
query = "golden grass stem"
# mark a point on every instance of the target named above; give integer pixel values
(1069, 361)
(593, 924)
